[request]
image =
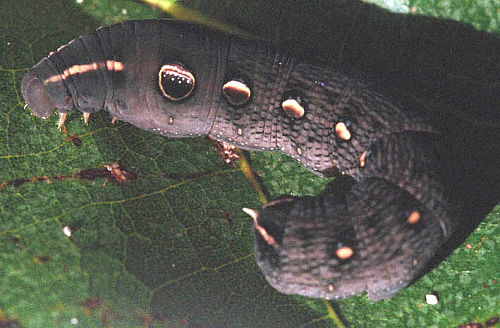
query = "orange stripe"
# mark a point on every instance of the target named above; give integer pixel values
(110, 65)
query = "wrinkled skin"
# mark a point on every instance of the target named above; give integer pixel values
(374, 229)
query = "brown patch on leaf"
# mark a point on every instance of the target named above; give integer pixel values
(110, 172)
(120, 175)
(75, 140)
(492, 321)
(93, 173)
(229, 220)
(92, 303)
(42, 259)
(227, 153)
(6, 323)
(96, 306)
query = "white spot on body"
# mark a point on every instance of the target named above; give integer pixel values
(59, 49)
(236, 92)
(293, 108)
(344, 252)
(342, 131)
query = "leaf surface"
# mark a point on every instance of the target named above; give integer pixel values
(170, 247)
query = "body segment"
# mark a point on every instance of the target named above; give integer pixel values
(375, 233)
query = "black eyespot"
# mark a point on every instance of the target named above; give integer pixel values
(237, 92)
(175, 81)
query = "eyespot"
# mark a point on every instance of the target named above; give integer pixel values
(175, 81)
(236, 92)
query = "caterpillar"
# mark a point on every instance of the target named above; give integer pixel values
(374, 229)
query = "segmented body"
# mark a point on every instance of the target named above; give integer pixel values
(374, 232)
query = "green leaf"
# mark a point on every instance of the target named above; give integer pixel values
(171, 247)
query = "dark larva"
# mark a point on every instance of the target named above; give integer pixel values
(375, 233)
